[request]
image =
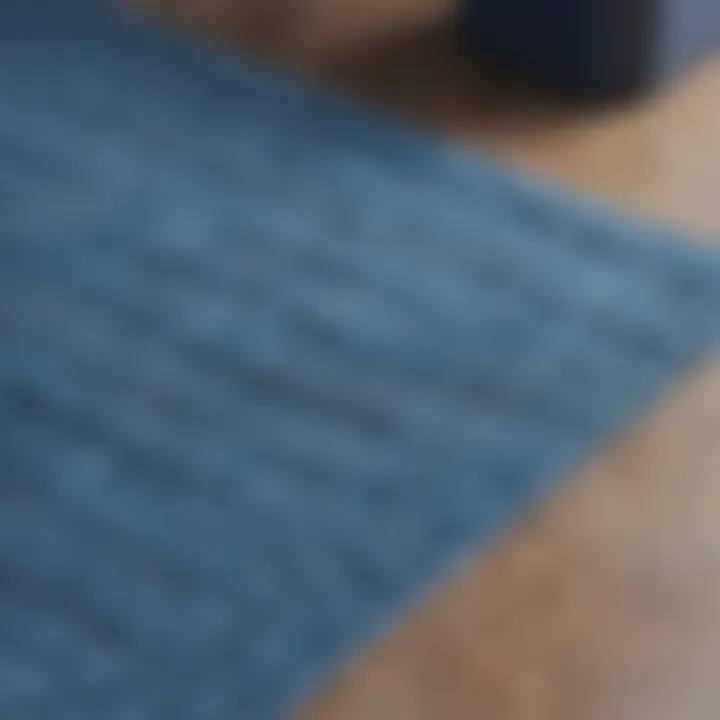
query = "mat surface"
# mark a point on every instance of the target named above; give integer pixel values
(269, 367)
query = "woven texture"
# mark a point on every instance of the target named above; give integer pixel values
(268, 366)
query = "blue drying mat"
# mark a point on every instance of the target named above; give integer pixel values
(269, 367)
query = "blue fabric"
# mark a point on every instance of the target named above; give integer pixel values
(270, 366)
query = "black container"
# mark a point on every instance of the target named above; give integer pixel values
(595, 47)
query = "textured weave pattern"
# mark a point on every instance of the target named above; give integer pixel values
(267, 366)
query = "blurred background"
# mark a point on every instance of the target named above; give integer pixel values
(654, 150)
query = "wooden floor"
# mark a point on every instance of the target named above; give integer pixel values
(605, 604)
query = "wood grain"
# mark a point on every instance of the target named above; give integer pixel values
(605, 604)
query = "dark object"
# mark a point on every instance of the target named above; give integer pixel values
(595, 47)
